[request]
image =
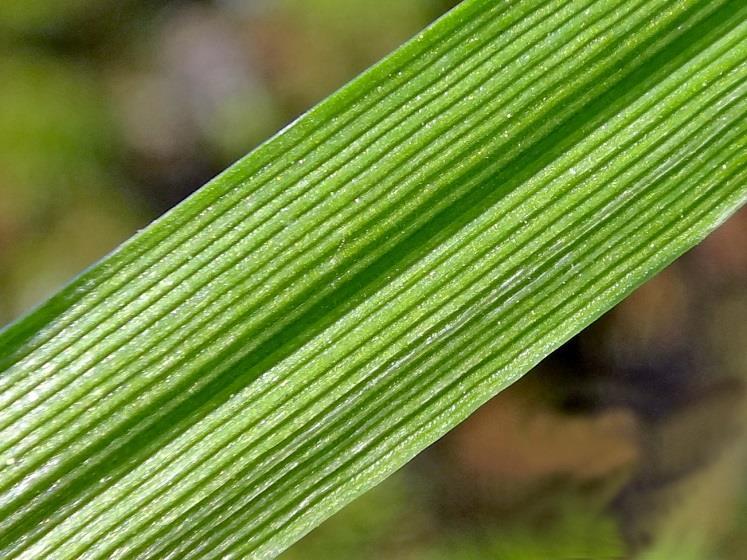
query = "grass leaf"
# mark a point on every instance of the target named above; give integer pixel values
(348, 292)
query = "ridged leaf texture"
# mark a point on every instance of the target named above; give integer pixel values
(348, 292)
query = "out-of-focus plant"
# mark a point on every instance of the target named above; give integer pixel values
(55, 164)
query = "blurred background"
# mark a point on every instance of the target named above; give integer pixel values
(629, 442)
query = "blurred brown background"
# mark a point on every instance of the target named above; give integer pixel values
(629, 442)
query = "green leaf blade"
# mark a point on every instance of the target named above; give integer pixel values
(339, 299)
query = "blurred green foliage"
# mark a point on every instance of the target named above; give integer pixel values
(33, 16)
(59, 205)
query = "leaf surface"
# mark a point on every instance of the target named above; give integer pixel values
(345, 294)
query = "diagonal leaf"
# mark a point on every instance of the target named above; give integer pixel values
(341, 297)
